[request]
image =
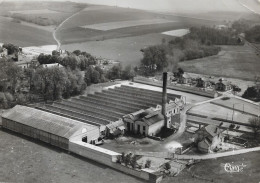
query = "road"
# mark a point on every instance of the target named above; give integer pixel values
(54, 34)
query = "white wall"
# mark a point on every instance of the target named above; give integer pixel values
(92, 133)
(155, 128)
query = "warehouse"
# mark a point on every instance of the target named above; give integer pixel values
(47, 127)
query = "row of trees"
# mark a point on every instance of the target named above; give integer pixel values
(75, 60)
(249, 28)
(252, 93)
(200, 42)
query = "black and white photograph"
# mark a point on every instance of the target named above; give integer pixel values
(129, 91)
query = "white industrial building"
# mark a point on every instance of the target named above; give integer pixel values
(47, 127)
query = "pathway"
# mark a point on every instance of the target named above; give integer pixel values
(54, 34)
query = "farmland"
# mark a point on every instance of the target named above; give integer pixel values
(126, 50)
(233, 61)
(23, 35)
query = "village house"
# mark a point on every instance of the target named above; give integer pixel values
(185, 79)
(3, 52)
(223, 85)
(203, 83)
(209, 138)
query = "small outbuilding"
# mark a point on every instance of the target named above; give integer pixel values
(209, 138)
(223, 85)
(47, 127)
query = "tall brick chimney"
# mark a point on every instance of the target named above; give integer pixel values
(164, 98)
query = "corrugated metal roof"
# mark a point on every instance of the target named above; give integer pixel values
(48, 122)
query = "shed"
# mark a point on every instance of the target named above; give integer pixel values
(47, 127)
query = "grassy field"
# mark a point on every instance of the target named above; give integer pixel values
(23, 35)
(72, 31)
(233, 61)
(30, 34)
(126, 50)
(23, 160)
(213, 170)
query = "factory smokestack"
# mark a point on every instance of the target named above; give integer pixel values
(164, 97)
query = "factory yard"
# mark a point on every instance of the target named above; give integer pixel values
(25, 160)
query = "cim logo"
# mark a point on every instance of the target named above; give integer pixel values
(231, 168)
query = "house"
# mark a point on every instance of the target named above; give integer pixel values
(115, 129)
(209, 138)
(203, 83)
(185, 79)
(150, 122)
(3, 52)
(223, 85)
(52, 65)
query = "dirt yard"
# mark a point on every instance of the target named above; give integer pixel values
(25, 160)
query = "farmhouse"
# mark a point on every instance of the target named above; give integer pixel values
(209, 138)
(3, 52)
(203, 83)
(223, 85)
(47, 127)
(185, 79)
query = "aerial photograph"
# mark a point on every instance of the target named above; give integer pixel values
(129, 91)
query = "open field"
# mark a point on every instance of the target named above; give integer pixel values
(177, 33)
(41, 11)
(23, 160)
(114, 20)
(233, 61)
(126, 50)
(125, 24)
(23, 35)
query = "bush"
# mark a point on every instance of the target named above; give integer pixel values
(148, 163)
(167, 166)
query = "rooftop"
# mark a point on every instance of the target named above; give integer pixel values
(51, 123)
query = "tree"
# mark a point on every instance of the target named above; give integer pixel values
(148, 163)
(250, 93)
(28, 72)
(55, 53)
(88, 75)
(127, 159)
(44, 59)
(128, 73)
(13, 73)
(42, 82)
(59, 79)
(255, 123)
(11, 48)
(154, 58)
(167, 166)
(115, 72)
(77, 52)
(133, 161)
